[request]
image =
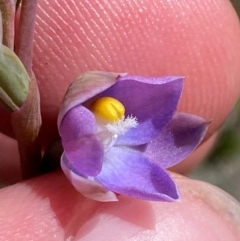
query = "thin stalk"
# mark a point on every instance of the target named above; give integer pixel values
(7, 8)
(24, 48)
(27, 121)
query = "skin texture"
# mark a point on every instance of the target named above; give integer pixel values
(57, 212)
(154, 38)
(198, 39)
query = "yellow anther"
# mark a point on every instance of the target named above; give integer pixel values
(108, 109)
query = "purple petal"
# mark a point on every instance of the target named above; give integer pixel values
(152, 100)
(82, 147)
(77, 122)
(88, 188)
(182, 135)
(128, 172)
(85, 155)
(85, 87)
(142, 134)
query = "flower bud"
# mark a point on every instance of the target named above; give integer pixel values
(14, 80)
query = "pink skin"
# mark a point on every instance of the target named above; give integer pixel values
(177, 38)
(50, 209)
(198, 39)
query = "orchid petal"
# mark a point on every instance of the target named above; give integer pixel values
(153, 101)
(77, 122)
(89, 188)
(139, 135)
(128, 172)
(128, 158)
(83, 148)
(85, 155)
(182, 135)
(85, 87)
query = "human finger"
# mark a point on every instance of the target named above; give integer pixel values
(48, 208)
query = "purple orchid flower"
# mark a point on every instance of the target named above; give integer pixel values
(129, 156)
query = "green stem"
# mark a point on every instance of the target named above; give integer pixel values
(24, 48)
(27, 121)
(7, 8)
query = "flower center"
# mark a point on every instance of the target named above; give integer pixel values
(110, 115)
(108, 109)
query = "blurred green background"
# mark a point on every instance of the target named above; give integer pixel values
(222, 167)
(236, 4)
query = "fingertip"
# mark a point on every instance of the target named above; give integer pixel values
(199, 40)
(54, 207)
